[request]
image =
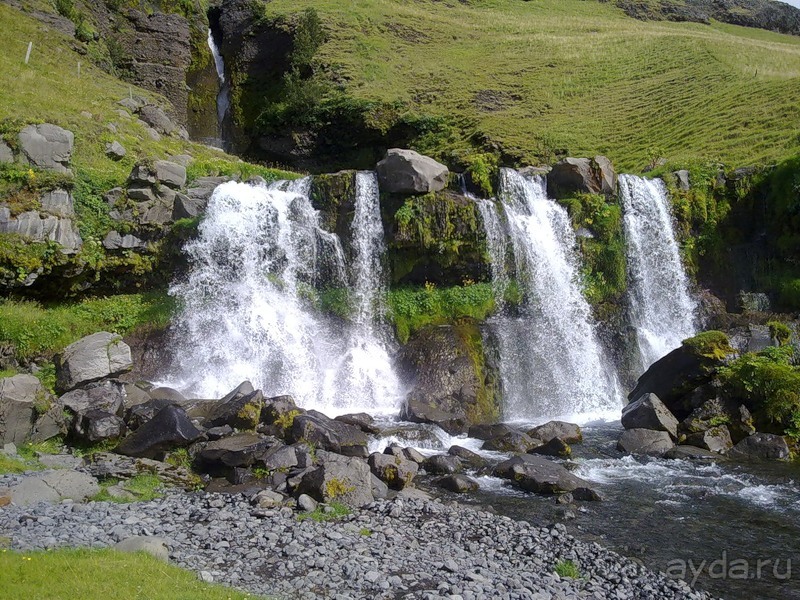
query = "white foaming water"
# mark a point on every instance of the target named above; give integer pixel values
(551, 361)
(223, 96)
(678, 481)
(496, 244)
(260, 255)
(662, 309)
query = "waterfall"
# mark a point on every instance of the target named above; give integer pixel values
(248, 304)
(223, 96)
(551, 361)
(496, 246)
(661, 307)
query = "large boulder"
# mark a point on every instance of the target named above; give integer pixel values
(46, 146)
(645, 441)
(408, 172)
(395, 471)
(19, 397)
(108, 396)
(676, 376)
(459, 484)
(157, 119)
(452, 386)
(443, 464)
(471, 459)
(54, 486)
(582, 175)
(239, 410)
(169, 429)
(648, 412)
(315, 428)
(716, 439)
(716, 412)
(542, 476)
(239, 450)
(97, 356)
(513, 441)
(761, 446)
(338, 479)
(170, 174)
(97, 426)
(569, 433)
(555, 447)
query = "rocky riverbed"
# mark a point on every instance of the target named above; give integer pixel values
(403, 548)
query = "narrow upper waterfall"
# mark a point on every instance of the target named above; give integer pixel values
(496, 245)
(223, 96)
(551, 361)
(259, 261)
(662, 309)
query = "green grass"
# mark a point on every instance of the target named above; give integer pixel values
(144, 487)
(101, 575)
(30, 450)
(319, 515)
(568, 75)
(567, 568)
(12, 465)
(36, 330)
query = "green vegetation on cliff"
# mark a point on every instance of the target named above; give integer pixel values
(537, 80)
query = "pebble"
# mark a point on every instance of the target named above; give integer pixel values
(416, 549)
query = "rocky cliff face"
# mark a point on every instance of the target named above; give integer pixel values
(763, 14)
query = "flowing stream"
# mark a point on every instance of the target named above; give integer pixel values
(258, 264)
(551, 361)
(661, 308)
(224, 94)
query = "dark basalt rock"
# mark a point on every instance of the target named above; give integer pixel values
(513, 441)
(98, 426)
(361, 420)
(395, 471)
(471, 459)
(315, 428)
(648, 412)
(761, 446)
(240, 450)
(554, 447)
(715, 439)
(460, 484)
(539, 475)
(167, 430)
(566, 432)
(645, 441)
(443, 464)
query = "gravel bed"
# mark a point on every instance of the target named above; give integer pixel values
(404, 548)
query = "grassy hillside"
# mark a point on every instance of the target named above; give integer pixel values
(574, 77)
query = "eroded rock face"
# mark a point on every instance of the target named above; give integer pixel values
(169, 429)
(338, 478)
(92, 358)
(38, 227)
(408, 172)
(328, 434)
(46, 146)
(451, 387)
(395, 471)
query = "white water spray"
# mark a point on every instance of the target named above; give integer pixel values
(662, 309)
(224, 94)
(551, 361)
(257, 266)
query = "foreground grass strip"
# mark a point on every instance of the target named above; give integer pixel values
(101, 575)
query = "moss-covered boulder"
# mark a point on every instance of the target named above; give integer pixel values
(435, 238)
(675, 377)
(450, 377)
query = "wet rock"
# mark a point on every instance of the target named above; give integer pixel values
(95, 426)
(513, 441)
(488, 432)
(676, 376)
(555, 447)
(692, 453)
(167, 430)
(539, 475)
(443, 464)
(645, 441)
(413, 455)
(338, 479)
(582, 175)
(328, 434)
(408, 172)
(239, 450)
(715, 439)
(468, 458)
(761, 446)
(239, 410)
(566, 432)
(648, 412)
(91, 358)
(361, 420)
(46, 146)
(716, 412)
(395, 471)
(418, 411)
(460, 484)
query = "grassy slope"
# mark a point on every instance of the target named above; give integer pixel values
(101, 575)
(577, 75)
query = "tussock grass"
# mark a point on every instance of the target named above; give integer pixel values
(101, 575)
(571, 75)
